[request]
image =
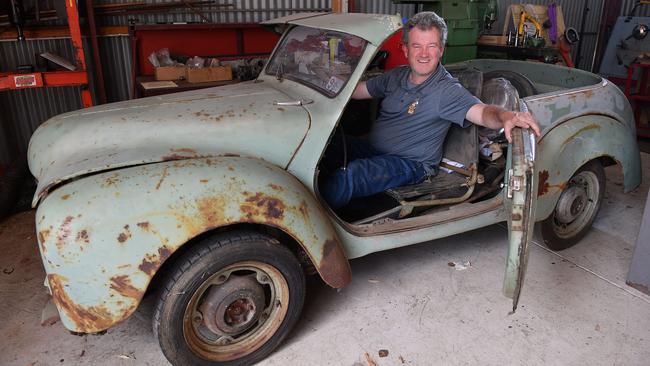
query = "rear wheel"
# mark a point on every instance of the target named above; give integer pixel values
(576, 208)
(230, 301)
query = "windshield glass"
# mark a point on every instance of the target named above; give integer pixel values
(321, 59)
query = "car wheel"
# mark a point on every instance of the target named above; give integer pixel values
(230, 301)
(576, 208)
(524, 86)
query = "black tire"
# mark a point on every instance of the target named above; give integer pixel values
(229, 269)
(576, 208)
(524, 86)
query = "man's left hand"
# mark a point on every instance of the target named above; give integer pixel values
(511, 120)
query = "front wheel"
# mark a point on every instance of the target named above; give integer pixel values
(576, 208)
(231, 301)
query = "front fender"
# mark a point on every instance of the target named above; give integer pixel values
(571, 144)
(102, 238)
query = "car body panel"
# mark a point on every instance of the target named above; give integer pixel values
(573, 143)
(103, 234)
(103, 237)
(229, 120)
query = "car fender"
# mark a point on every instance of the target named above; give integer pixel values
(570, 144)
(103, 237)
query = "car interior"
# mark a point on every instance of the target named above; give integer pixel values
(473, 165)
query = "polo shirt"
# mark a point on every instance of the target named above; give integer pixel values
(414, 119)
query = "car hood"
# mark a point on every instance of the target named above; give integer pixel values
(239, 119)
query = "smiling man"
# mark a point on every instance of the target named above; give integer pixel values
(420, 102)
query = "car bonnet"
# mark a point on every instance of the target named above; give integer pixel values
(235, 120)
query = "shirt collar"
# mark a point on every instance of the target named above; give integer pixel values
(436, 74)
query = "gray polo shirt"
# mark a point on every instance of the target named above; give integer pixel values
(414, 119)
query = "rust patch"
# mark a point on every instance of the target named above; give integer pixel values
(43, 235)
(111, 180)
(86, 319)
(204, 180)
(262, 205)
(185, 150)
(124, 236)
(230, 167)
(82, 236)
(151, 262)
(544, 186)
(211, 210)
(173, 157)
(334, 267)
(143, 225)
(163, 175)
(281, 109)
(122, 285)
(65, 197)
(592, 126)
(63, 233)
(276, 187)
(304, 211)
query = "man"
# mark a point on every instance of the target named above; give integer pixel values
(420, 102)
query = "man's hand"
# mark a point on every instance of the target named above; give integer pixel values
(496, 118)
(511, 120)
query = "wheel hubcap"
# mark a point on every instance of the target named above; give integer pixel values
(234, 306)
(577, 205)
(235, 311)
(571, 204)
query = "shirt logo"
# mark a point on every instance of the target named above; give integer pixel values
(412, 107)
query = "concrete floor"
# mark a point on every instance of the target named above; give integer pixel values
(575, 308)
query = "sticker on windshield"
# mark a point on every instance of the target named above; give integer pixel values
(334, 84)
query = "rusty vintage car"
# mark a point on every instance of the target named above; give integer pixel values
(209, 199)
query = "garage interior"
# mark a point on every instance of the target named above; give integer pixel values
(437, 302)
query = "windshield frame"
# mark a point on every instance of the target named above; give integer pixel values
(324, 91)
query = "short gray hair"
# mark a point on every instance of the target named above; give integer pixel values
(426, 20)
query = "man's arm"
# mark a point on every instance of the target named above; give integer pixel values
(496, 118)
(361, 91)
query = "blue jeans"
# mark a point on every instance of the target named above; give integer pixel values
(368, 172)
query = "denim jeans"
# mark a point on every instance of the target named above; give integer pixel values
(368, 172)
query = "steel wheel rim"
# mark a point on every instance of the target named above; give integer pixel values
(210, 346)
(588, 182)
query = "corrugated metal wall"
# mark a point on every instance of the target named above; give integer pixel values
(25, 110)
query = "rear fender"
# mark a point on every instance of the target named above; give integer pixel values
(568, 146)
(103, 237)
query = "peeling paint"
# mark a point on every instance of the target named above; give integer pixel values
(151, 262)
(333, 264)
(83, 237)
(85, 319)
(262, 205)
(63, 233)
(125, 235)
(122, 285)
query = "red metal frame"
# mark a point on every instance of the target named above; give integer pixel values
(639, 95)
(12, 81)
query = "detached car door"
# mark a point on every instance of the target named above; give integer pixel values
(520, 198)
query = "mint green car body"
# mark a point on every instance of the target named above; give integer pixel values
(123, 186)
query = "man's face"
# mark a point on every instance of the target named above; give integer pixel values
(423, 52)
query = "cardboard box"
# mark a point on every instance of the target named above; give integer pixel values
(206, 74)
(170, 73)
